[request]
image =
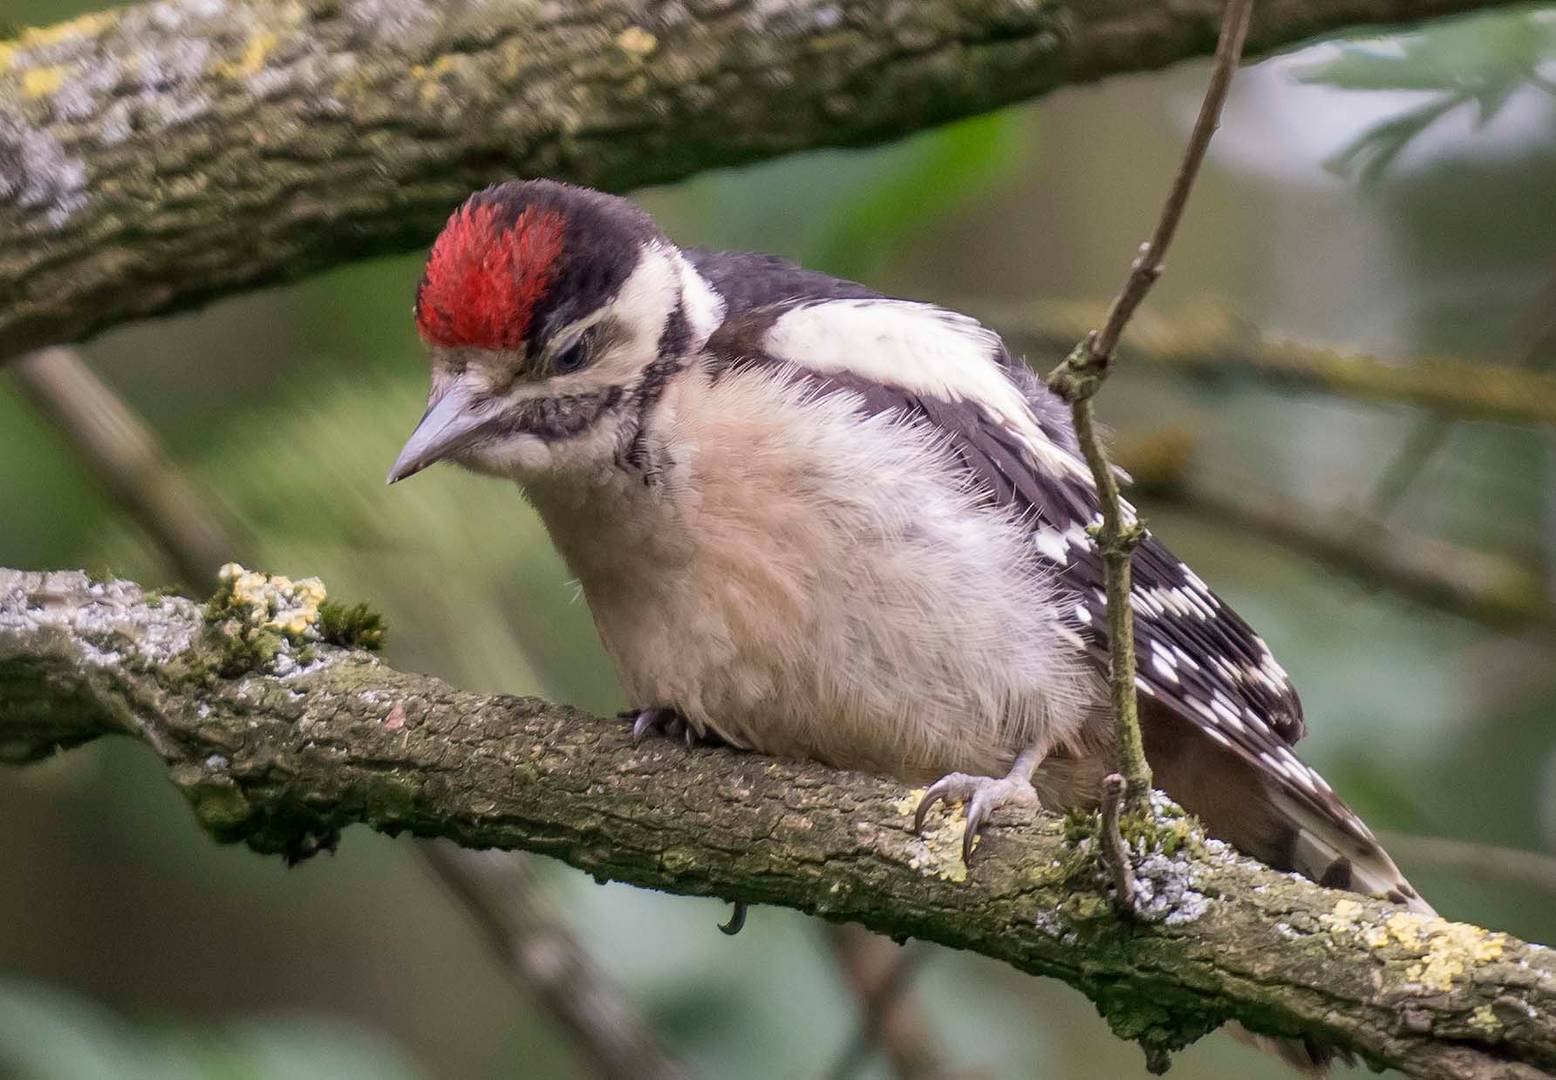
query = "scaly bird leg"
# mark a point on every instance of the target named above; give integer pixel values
(983, 795)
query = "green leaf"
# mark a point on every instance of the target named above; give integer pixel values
(1366, 157)
(1484, 61)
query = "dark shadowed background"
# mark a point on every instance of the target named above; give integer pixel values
(131, 946)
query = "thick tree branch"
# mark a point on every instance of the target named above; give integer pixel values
(344, 739)
(158, 156)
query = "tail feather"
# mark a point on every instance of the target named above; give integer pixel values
(1311, 1059)
(1336, 859)
(1258, 814)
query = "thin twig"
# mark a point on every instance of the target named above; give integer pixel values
(1115, 853)
(1079, 377)
(1210, 341)
(187, 526)
(887, 1015)
(1429, 435)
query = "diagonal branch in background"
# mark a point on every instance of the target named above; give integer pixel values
(1077, 381)
(1479, 585)
(529, 942)
(879, 974)
(546, 961)
(1210, 343)
(117, 448)
(344, 739)
(161, 155)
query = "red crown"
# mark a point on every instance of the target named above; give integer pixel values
(484, 279)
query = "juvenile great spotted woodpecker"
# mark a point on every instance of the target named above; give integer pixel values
(815, 521)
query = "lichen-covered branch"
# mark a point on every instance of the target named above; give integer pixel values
(341, 738)
(157, 156)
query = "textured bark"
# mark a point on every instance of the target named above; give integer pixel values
(266, 759)
(158, 156)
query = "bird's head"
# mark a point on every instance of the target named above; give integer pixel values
(545, 308)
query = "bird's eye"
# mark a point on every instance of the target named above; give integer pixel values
(572, 358)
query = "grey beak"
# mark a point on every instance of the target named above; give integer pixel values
(444, 429)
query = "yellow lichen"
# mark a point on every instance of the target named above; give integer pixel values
(272, 601)
(939, 850)
(1344, 916)
(428, 78)
(252, 62)
(41, 82)
(635, 41)
(1451, 949)
(35, 37)
(1485, 1021)
(1440, 951)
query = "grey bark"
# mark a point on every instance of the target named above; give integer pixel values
(265, 759)
(157, 156)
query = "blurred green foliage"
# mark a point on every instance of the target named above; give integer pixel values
(49, 1033)
(1474, 62)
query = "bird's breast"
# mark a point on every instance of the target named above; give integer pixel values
(805, 580)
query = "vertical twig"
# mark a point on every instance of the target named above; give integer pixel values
(1114, 852)
(1080, 376)
(532, 946)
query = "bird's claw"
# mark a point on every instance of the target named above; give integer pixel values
(662, 720)
(982, 795)
(737, 919)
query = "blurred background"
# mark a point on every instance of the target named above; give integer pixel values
(1392, 196)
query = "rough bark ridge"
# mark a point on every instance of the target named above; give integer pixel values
(160, 155)
(273, 759)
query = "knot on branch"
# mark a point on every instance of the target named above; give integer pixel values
(1080, 375)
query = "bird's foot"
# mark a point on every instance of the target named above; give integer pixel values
(982, 794)
(661, 720)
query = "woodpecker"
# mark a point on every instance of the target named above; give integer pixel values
(815, 521)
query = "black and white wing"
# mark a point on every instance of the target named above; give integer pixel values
(1196, 656)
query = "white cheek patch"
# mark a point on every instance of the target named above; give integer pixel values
(639, 313)
(704, 307)
(922, 349)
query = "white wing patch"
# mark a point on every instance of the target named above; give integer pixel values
(924, 350)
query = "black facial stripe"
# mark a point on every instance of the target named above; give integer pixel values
(677, 332)
(634, 452)
(558, 417)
